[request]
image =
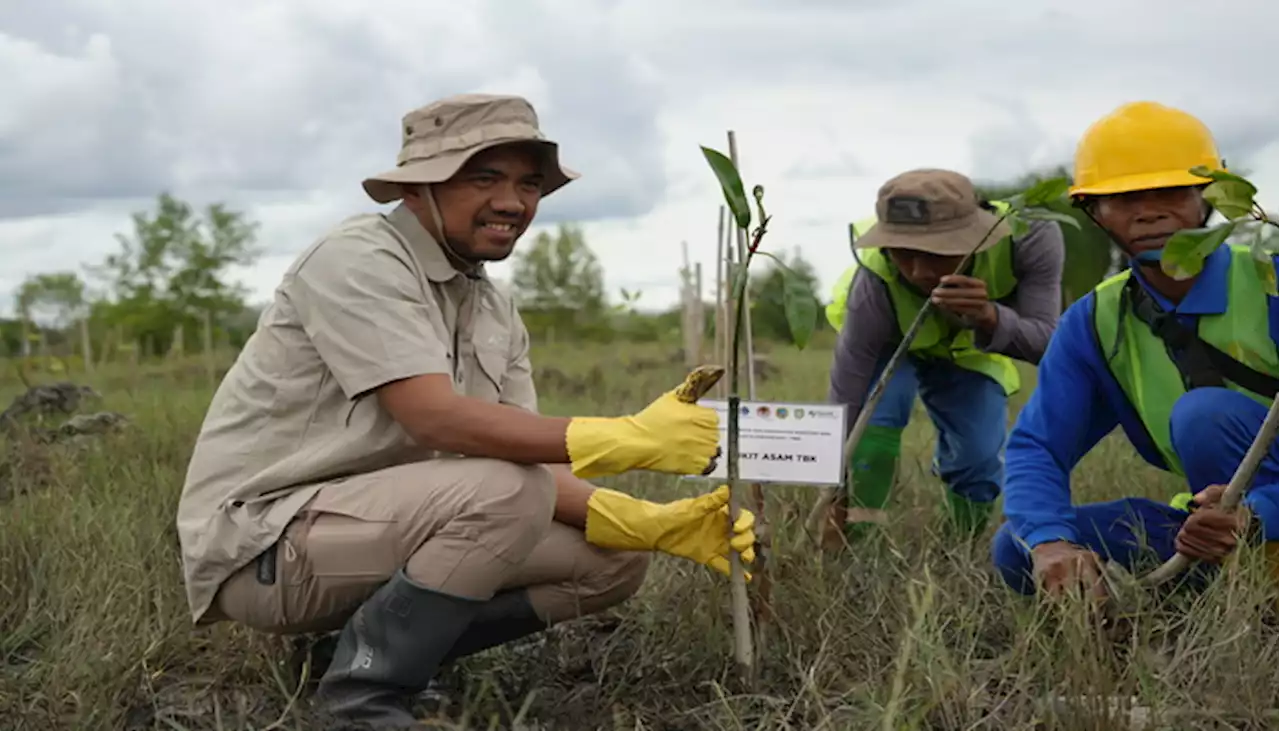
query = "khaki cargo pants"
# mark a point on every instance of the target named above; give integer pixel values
(469, 527)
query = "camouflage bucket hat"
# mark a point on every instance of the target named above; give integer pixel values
(935, 211)
(438, 139)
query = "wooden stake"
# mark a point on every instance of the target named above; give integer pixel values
(763, 584)
(744, 651)
(178, 347)
(719, 303)
(699, 315)
(687, 325)
(86, 346)
(210, 364)
(726, 248)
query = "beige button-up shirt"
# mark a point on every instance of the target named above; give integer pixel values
(373, 301)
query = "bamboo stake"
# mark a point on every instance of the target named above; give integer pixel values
(210, 364)
(178, 347)
(699, 316)
(727, 247)
(86, 345)
(763, 583)
(744, 651)
(721, 320)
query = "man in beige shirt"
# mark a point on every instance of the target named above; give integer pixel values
(374, 461)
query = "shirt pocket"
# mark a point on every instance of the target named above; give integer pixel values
(491, 342)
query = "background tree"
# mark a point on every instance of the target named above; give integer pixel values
(173, 269)
(55, 299)
(48, 303)
(558, 284)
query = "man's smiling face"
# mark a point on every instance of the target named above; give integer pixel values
(489, 203)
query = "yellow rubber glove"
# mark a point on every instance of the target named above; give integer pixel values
(669, 436)
(694, 528)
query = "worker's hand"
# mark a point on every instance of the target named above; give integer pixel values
(967, 298)
(1209, 533)
(694, 528)
(669, 436)
(1060, 567)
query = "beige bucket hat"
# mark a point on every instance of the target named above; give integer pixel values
(438, 139)
(931, 210)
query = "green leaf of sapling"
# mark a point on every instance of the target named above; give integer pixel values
(1264, 246)
(1232, 198)
(800, 307)
(1046, 191)
(1044, 214)
(730, 184)
(1184, 254)
(1223, 176)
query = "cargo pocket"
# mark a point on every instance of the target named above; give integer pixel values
(332, 563)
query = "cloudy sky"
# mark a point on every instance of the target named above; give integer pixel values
(280, 107)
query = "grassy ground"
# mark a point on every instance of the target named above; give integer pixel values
(911, 631)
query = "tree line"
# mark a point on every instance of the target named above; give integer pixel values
(168, 286)
(167, 278)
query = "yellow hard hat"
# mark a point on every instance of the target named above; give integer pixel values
(1141, 146)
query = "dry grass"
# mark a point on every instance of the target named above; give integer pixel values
(911, 631)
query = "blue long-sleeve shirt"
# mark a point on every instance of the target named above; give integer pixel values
(1077, 402)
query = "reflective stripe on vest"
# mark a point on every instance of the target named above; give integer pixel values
(938, 337)
(1142, 366)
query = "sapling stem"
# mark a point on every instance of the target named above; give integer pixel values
(760, 597)
(744, 650)
(742, 641)
(1231, 496)
(743, 644)
(801, 323)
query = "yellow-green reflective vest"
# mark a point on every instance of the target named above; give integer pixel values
(938, 338)
(1141, 365)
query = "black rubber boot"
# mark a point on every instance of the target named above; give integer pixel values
(389, 651)
(506, 617)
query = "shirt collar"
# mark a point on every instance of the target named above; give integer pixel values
(1208, 294)
(435, 263)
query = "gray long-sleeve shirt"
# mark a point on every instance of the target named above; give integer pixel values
(1025, 319)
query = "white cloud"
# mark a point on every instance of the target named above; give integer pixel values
(281, 108)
